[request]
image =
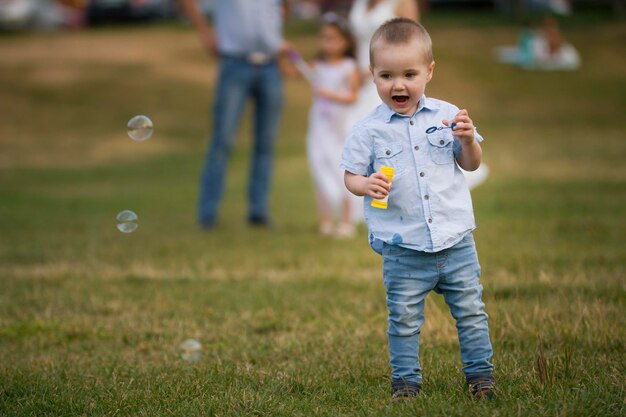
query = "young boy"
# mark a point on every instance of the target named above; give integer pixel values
(425, 234)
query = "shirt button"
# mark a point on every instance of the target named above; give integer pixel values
(426, 197)
(430, 220)
(417, 148)
(422, 174)
(412, 122)
(441, 142)
(388, 152)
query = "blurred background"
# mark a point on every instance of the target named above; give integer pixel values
(291, 323)
(56, 14)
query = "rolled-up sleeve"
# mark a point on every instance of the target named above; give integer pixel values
(357, 151)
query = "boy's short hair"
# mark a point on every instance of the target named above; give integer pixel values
(402, 30)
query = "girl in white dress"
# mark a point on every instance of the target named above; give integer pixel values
(365, 17)
(335, 87)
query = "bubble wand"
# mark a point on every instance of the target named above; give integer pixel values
(308, 73)
(304, 68)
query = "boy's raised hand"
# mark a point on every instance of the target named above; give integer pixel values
(378, 185)
(464, 128)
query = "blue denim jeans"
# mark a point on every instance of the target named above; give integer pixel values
(238, 81)
(409, 276)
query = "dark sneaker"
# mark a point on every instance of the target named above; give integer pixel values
(261, 222)
(207, 225)
(404, 389)
(484, 387)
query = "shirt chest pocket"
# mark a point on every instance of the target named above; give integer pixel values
(389, 154)
(441, 148)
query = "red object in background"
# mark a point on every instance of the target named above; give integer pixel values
(339, 6)
(73, 12)
(74, 4)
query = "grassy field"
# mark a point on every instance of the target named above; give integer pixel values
(291, 323)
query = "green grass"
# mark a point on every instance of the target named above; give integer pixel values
(291, 323)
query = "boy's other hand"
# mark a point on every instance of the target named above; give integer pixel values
(464, 128)
(378, 185)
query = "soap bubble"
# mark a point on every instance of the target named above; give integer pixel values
(140, 128)
(127, 216)
(127, 227)
(191, 350)
(127, 221)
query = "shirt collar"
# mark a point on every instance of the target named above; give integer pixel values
(424, 103)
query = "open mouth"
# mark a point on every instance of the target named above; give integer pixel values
(400, 100)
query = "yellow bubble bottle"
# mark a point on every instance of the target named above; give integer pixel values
(382, 203)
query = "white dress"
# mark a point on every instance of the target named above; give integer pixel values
(364, 23)
(327, 130)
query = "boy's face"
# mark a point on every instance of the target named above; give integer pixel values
(400, 74)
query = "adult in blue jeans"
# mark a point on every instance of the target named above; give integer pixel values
(246, 36)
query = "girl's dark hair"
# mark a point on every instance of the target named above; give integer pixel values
(339, 23)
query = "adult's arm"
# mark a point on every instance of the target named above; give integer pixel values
(408, 9)
(205, 31)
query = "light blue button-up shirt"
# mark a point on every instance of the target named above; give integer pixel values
(429, 208)
(248, 26)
